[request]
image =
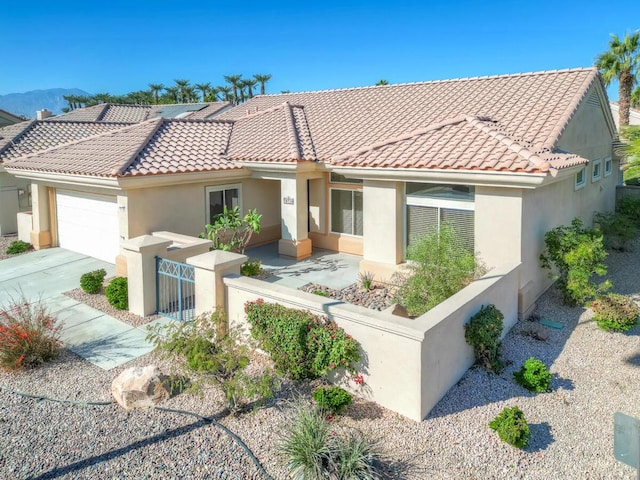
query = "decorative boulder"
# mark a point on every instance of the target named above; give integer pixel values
(139, 387)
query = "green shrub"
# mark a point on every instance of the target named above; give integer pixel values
(630, 208)
(615, 312)
(321, 293)
(315, 452)
(483, 333)
(18, 247)
(577, 253)
(117, 293)
(301, 344)
(332, 399)
(618, 229)
(29, 335)
(534, 376)
(512, 427)
(251, 268)
(214, 358)
(230, 231)
(92, 282)
(440, 267)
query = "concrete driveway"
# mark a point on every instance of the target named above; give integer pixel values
(46, 274)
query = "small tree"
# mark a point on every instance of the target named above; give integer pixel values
(441, 267)
(231, 232)
(576, 253)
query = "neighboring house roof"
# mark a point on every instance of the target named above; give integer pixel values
(7, 118)
(111, 112)
(36, 135)
(531, 109)
(152, 147)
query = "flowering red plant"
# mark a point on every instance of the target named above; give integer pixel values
(29, 335)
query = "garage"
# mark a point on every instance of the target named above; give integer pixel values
(88, 224)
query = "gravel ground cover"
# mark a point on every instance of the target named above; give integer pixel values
(595, 374)
(377, 298)
(5, 241)
(99, 302)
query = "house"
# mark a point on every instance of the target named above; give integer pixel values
(7, 118)
(359, 170)
(46, 131)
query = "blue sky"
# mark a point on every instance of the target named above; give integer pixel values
(118, 46)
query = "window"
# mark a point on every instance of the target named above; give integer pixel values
(608, 167)
(346, 211)
(580, 179)
(337, 178)
(222, 196)
(431, 205)
(596, 172)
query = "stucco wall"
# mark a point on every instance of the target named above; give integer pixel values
(182, 208)
(9, 204)
(408, 365)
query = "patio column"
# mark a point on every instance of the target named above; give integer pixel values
(141, 253)
(41, 206)
(294, 213)
(383, 248)
(210, 268)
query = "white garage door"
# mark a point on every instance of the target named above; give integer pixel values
(88, 224)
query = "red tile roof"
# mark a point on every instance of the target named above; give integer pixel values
(530, 109)
(151, 147)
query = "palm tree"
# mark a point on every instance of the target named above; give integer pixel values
(182, 86)
(234, 81)
(171, 94)
(226, 93)
(204, 89)
(156, 88)
(262, 79)
(621, 62)
(250, 84)
(71, 101)
(635, 98)
(382, 82)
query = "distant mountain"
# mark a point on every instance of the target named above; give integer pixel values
(27, 103)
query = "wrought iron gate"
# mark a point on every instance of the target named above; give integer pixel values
(175, 289)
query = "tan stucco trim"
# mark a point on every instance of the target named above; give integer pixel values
(53, 217)
(149, 181)
(66, 179)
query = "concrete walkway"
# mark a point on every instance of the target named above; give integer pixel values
(97, 337)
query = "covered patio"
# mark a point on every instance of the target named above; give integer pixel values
(324, 267)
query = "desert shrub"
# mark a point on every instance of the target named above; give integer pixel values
(440, 267)
(232, 232)
(332, 399)
(314, 452)
(29, 335)
(18, 247)
(117, 293)
(211, 357)
(534, 376)
(615, 312)
(92, 282)
(301, 344)
(250, 268)
(576, 253)
(321, 293)
(618, 229)
(511, 427)
(366, 280)
(483, 334)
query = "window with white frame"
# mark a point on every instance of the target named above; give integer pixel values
(346, 211)
(431, 205)
(596, 170)
(581, 178)
(222, 196)
(608, 167)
